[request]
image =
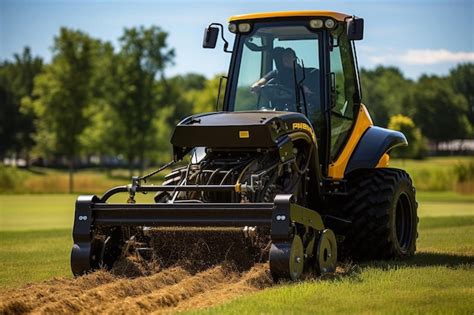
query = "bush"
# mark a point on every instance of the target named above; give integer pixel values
(432, 179)
(416, 144)
(10, 179)
(464, 171)
(465, 177)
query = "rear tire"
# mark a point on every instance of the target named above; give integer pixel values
(383, 210)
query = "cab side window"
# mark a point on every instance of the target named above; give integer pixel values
(343, 84)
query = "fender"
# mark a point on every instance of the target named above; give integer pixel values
(374, 143)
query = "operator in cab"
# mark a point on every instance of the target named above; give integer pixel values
(282, 79)
(283, 74)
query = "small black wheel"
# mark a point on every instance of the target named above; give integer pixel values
(287, 259)
(382, 207)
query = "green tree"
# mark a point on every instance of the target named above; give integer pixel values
(405, 125)
(440, 112)
(462, 80)
(62, 94)
(190, 81)
(135, 95)
(8, 110)
(174, 92)
(99, 135)
(205, 100)
(385, 91)
(16, 82)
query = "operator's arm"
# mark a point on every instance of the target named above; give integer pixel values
(261, 82)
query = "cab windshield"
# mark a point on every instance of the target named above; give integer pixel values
(278, 69)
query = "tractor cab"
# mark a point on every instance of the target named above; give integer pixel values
(300, 61)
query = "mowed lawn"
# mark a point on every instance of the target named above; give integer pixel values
(35, 243)
(438, 280)
(36, 236)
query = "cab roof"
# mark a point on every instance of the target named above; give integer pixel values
(289, 14)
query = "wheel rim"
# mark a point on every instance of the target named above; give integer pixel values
(404, 222)
(296, 258)
(326, 253)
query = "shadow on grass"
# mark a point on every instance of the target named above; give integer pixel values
(425, 260)
(439, 259)
(352, 270)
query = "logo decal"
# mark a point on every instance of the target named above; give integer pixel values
(305, 126)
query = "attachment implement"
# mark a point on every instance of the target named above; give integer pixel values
(293, 229)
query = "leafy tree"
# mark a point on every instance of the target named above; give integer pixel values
(440, 112)
(462, 80)
(190, 81)
(406, 126)
(177, 88)
(385, 91)
(134, 96)
(205, 100)
(7, 111)
(16, 82)
(100, 135)
(63, 93)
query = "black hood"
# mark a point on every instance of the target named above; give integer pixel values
(251, 129)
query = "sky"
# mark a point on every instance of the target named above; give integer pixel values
(417, 36)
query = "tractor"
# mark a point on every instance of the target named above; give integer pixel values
(289, 169)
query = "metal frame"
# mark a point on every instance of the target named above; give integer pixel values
(93, 213)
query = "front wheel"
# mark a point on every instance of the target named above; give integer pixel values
(383, 210)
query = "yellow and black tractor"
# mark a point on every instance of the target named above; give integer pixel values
(290, 169)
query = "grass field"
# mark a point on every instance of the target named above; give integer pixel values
(438, 280)
(39, 180)
(35, 236)
(35, 240)
(436, 173)
(35, 243)
(431, 174)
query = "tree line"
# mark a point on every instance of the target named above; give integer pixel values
(96, 100)
(433, 108)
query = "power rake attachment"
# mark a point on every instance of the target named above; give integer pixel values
(299, 240)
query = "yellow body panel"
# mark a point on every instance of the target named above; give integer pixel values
(269, 15)
(337, 168)
(383, 162)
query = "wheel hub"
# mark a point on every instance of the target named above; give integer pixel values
(326, 253)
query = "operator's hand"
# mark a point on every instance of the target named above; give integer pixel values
(256, 88)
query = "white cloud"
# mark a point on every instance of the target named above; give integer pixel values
(366, 49)
(424, 57)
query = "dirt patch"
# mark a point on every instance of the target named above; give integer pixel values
(170, 290)
(29, 297)
(255, 279)
(101, 298)
(213, 263)
(218, 267)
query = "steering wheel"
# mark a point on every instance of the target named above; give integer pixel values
(277, 92)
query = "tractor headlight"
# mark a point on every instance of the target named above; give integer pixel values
(316, 23)
(329, 23)
(233, 28)
(244, 27)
